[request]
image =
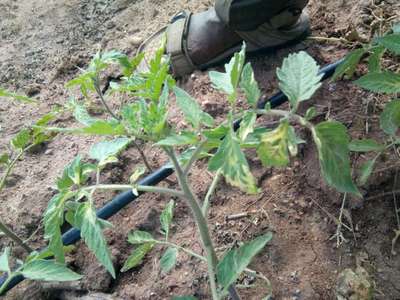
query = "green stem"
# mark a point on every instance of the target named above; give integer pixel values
(96, 83)
(213, 186)
(3, 227)
(201, 222)
(9, 233)
(143, 156)
(140, 188)
(193, 157)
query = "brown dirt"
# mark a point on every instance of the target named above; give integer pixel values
(43, 42)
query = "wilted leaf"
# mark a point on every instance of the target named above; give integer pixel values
(137, 256)
(385, 82)
(48, 270)
(140, 237)
(136, 175)
(168, 260)
(349, 65)
(249, 85)
(236, 260)
(298, 77)
(391, 42)
(233, 164)
(390, 118)
(92, 234)
(106, 149)
(332, 142)
(273, 149)
(365, 145)
(166, 218)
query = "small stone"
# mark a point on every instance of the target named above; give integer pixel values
(135, 40)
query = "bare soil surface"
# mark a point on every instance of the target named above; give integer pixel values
(42, 45)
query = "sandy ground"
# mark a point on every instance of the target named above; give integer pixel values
(42, 45)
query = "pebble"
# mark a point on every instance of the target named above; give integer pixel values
(135, 40)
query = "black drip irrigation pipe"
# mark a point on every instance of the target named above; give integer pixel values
(120, 201)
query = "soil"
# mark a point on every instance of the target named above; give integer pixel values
(42, 45)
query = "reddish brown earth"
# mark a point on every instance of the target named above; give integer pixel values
(43, 43)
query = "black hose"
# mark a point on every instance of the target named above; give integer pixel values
(123, 199)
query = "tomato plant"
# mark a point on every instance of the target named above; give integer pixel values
(145, 117)
(36, 266)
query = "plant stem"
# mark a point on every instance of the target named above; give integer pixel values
(96, 84)
(193, 157)
(141, 153)
(3, 227)
(141, 188)
(212, 260)
(9, 233)
(201, 223)
(213, 186)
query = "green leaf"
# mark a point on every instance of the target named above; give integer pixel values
(140, 237)
(85, 81)
(81, 114)
(4, 260)
(349, 65)
(228, 82)
(102, 151)
(22, 139)
(4, 159)
(273, 149)
(298, 77)
(21, 98)
(374, 62)
(137, 256)
(184, 298)
(91, 233)
(310, 113)
(168, 260)
(247, 125)
(53, 220)
(233, 164)
(366, 171)
(191, 109)
(48, 270)
(236, 261)
(249, 85)
(385, 82)
(332, 142)
(104, 128)
(365, 145)
(391, 42)
(390, 117)
(166, 218)
(184, 138)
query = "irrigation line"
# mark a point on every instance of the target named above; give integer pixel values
(120, 201)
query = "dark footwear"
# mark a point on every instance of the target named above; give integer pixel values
(199, 41)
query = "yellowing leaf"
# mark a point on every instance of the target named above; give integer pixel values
(233, 164)
(273, 149)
